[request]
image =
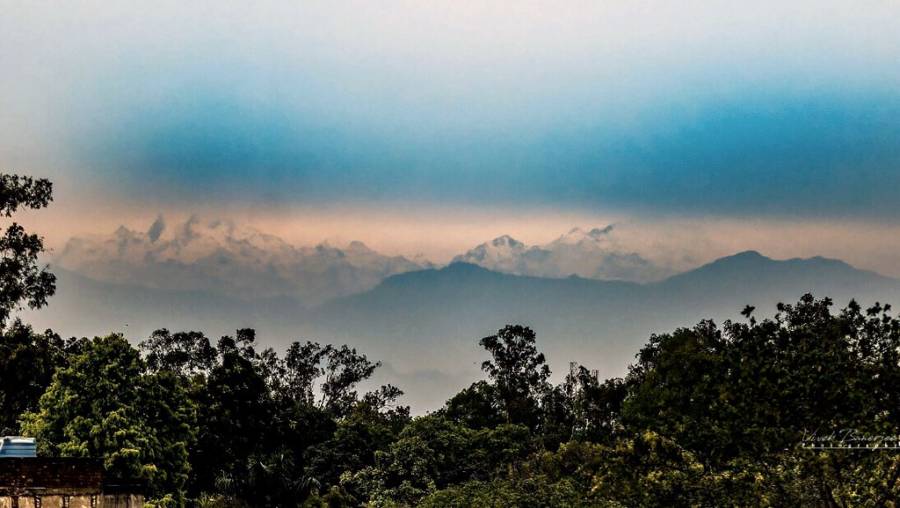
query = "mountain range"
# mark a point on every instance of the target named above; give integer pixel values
(593, 254)
(424, 323)
(220, 258)
(434, 317)
(224, 259)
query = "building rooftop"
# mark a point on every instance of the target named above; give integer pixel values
(16, 446)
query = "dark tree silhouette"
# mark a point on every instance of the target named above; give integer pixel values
(519, 372)
(27, 363)
(22, 280)
(183, 353)
(477, 406)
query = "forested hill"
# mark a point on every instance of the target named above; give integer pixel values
(423, 319)
(421, 323)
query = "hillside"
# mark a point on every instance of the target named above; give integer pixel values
(425, 324)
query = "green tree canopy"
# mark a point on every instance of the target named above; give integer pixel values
(106, 404)
(27, 363)
(744, 396)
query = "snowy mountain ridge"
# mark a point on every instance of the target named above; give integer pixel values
(591, 254)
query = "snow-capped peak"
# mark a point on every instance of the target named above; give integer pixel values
(506, 242)
(594, 253)
(223, 257)
(495, 251)
(577, 235)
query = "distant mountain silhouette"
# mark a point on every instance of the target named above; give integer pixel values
(749, 266)
(434, 317)
(423, 323)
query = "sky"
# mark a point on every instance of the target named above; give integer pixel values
(700, 128)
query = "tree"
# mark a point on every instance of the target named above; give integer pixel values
(344, 370)
(595, 406)
(237, 412)
(742, 397)
(105, 404)
(433, 453)
(183, 353)
(22, 280)
(477, 407)
(27, 363)
(518, 371)
(276, 430)
(358, 427)
(565, 477)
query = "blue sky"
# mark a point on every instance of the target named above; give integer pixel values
(701, 109)
(781, 152)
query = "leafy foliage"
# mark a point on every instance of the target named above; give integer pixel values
(105, 404)
(706, 416)
(21, 277)
(27, 363)
(519, 372)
